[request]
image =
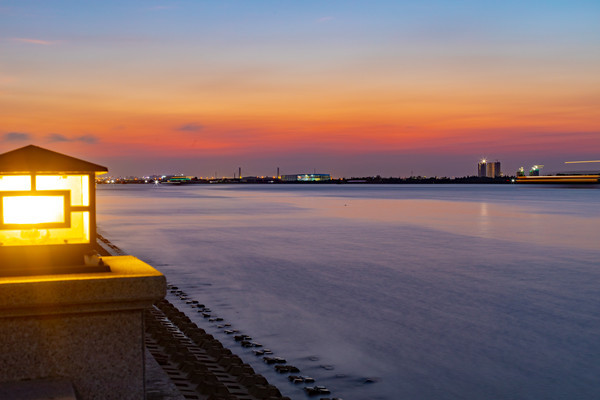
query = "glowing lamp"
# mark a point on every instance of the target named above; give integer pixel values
(47, 211)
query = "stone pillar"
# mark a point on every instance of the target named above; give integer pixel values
(86, 328)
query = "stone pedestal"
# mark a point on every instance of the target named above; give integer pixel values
(84, 328)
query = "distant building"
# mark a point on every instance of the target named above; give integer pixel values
(535, 170)
(482, 169)
(180, 178)
(306, 177)
(493, 169)
(487, 169)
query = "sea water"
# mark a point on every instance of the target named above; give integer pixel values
(385, 291)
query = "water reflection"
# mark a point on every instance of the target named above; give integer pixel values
(484, 219)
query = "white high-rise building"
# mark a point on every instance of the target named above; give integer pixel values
(482, 169)
(488, 169)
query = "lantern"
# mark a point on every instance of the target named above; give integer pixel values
(47, 211)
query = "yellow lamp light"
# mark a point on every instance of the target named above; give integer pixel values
(33, 210)
(47, 209)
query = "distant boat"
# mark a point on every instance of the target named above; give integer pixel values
(560, 179)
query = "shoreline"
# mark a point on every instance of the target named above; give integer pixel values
(196, 365)
(371, 180)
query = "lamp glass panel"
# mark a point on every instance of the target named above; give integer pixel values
(78, 232)
(86, 225)
(15, 182)
(85, 190)
(77, 184)
(33, 209)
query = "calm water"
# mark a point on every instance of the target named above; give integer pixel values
(386, 292)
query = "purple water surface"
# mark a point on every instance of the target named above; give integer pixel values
(386, 292)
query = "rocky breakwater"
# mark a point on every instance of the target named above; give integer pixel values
(199, 365)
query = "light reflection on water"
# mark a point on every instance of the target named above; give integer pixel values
(447, 292)
(481, 219)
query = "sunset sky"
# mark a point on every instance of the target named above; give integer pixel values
(351, 88)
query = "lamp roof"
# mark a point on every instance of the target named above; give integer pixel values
(36, 159)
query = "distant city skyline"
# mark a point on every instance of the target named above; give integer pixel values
(552, 167)
(390, 88)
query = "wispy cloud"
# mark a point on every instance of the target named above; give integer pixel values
(90, 139)
(33, 41)
(16, 137)
(325, 19)
(191, 127)
(57, 137)
(158, 8)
